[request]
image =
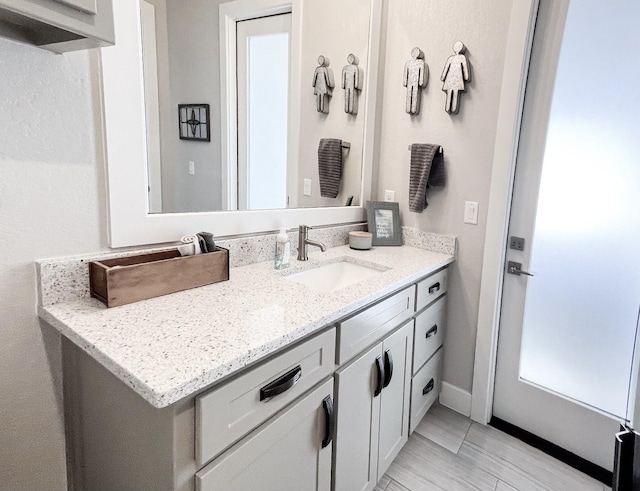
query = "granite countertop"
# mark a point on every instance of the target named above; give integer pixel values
(170, 347)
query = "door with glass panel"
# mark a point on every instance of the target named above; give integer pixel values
(570, 302)
(263, 47)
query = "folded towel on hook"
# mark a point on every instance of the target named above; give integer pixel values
(427, 169)
(330, 166)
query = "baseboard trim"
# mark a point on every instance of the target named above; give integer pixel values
(455, 398)
(569, 458)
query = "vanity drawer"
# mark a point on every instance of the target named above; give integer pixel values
(431, 288)
(229, 412)
(428, 333)
(363, 329)
(425, 388)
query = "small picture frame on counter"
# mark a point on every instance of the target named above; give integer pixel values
(383, 219)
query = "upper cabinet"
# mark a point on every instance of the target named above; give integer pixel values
(58, 25)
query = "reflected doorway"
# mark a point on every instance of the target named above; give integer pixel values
(263, 55)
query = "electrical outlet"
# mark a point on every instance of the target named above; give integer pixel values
(192, 168)
(389, 195)
(307, 187)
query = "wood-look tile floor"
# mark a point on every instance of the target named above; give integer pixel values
(450, 452)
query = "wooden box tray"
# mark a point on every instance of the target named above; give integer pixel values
(130, 279)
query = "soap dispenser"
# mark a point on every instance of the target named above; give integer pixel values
(283, 249)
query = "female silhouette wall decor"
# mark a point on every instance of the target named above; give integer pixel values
(323, 84)
(455, 74)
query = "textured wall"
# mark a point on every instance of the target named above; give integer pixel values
(51, 204)
(467, 138)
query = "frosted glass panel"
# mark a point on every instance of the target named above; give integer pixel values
(268, 63)
(582, 304)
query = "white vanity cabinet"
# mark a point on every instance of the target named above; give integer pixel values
(330, 412)
(292, 452)
(426, 380)
(271, 427)
(373, 390)
(58, 25)
(372, 401)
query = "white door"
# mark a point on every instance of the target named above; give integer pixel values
(567, 333)
(263, 47)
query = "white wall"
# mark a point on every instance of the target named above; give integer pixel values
(467, 138)
(51, 204)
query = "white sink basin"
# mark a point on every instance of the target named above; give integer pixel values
(332, 276)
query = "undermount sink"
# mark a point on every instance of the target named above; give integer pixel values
(332, 276)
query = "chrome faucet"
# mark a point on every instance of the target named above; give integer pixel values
(304, 241)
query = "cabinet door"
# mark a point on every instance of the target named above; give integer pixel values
(286, 453)
(395, 401)
(358, 410)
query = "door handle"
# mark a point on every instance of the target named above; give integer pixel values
(516, 268)
(388, 368)
(380, 368)
(330, 418)
(281, 384)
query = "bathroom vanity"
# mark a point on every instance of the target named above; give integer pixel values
(255, 383)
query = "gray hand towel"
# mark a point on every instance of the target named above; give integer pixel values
(427, 168)
(330, 166)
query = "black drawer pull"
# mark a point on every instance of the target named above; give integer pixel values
(432, 332)
(281, 384)
(380, 381)
(429, 387)
(388, 368)
(330, 419)
(434, 288)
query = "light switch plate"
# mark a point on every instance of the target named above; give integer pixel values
(192, 168)
(307, 187)
(389, 195)
(471, 212)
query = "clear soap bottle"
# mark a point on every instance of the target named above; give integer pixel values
(283, 250)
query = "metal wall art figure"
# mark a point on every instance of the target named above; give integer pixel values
(352, 84)
(323, 84)
(454, 76)
(416, 75)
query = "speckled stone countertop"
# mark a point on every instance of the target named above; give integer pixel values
(170, 347)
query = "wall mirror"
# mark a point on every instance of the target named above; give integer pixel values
(201, 184)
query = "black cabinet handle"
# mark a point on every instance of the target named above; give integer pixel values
(429, 387)
(330, 419)
(281, 384)
(380, 369)
(434, 288)
(388, 368)
(433, 331)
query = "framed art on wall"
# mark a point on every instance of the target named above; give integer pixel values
(383, 219)
(193, 121)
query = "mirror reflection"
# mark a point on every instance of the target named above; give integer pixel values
(273, 162)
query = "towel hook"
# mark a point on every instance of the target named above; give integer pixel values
(440, 151)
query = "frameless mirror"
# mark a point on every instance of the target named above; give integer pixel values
(196, 177)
